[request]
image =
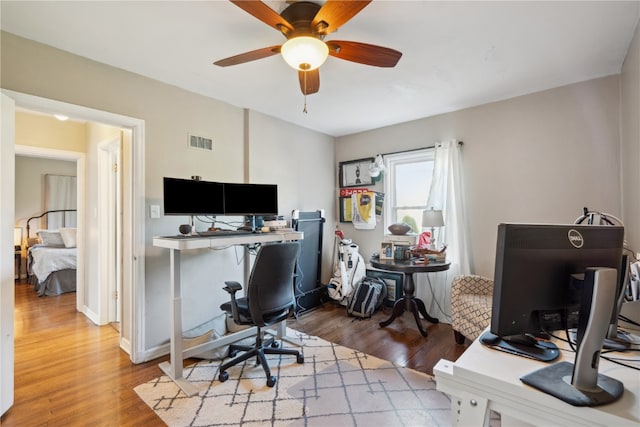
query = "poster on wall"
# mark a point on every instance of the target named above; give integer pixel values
(346, 209)
(345, 203)
(355, 172)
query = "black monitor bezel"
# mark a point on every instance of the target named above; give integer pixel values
(264, 199)
(193, 197)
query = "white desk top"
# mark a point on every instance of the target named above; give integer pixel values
(202, 242)
(495, 375)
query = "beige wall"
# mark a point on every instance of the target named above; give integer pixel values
(536, 158)
(630, 137)
(30, 172)
(35, 130)
(47, 132)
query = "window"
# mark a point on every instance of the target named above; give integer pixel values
(406, 186)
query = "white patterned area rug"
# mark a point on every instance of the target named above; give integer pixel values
(336, 386)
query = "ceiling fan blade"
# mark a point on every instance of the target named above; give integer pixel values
(265, 52)
(334, 14)
(265, 14)
(364, 53)
(309, 81)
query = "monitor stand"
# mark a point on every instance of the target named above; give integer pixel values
(580, 384)
(615, 340)
(526, 346)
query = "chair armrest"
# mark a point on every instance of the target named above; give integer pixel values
(472, 284)
(232, 287)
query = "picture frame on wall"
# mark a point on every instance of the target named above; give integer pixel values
(346, 212)
(355, 173)
(386, 250)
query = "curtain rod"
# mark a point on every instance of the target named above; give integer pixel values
(414, 149)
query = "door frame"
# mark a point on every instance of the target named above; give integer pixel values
(133, 295)
(7, 221)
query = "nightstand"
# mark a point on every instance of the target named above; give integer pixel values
(18, 259)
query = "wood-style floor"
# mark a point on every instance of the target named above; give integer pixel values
(69, 372)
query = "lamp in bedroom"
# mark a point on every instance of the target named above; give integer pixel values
(433, 219)
(17, 238)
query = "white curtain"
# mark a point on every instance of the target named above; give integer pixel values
(447, 194)
(60, 193)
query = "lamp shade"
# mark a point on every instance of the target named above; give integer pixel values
(304, 53)
(432, 218)
(17, 236)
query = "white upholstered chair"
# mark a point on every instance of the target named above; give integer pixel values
(471, 299)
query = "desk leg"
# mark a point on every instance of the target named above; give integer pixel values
(468, 410)
(174, 368)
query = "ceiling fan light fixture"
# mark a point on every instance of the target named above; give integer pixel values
(304, 53)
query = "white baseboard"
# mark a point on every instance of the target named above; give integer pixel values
(91, 315)
(154, 353)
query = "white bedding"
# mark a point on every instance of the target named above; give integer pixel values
(48, 259)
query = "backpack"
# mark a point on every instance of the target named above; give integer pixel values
(368, 296)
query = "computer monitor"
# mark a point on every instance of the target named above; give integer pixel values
(550, 277)
(192, 197)
(250, 199)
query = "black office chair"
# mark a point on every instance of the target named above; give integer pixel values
(269, 300)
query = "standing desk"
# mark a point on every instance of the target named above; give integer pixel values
(483, 379)
(177, 244)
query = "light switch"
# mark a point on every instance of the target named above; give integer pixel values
(154, 211)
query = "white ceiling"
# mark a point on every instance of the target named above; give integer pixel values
(455, 54)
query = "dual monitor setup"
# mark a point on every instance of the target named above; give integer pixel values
(556, 278)
(195, 197)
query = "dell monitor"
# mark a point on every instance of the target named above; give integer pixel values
(554, 277)
(192, 197)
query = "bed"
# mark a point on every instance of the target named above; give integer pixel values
(52, 257)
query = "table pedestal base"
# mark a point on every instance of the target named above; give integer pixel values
(411, 304)
(414, 306)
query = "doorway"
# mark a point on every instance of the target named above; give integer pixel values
(132, 216)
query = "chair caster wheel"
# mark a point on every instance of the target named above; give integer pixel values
(223, 376)
(275, 344)
(300, 359)
(271, 381)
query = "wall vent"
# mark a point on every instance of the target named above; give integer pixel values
(200, 142)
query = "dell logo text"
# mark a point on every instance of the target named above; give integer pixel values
(575, 238)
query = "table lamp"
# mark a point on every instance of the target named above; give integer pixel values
(431, 219)
(17, 238)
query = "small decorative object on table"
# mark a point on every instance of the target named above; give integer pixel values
(431, 255)
(399, 228)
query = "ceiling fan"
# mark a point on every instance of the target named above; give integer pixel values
(305, 25)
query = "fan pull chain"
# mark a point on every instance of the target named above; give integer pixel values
(304, 110)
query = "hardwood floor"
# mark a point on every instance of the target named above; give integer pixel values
(69, 372)
(400, 342)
